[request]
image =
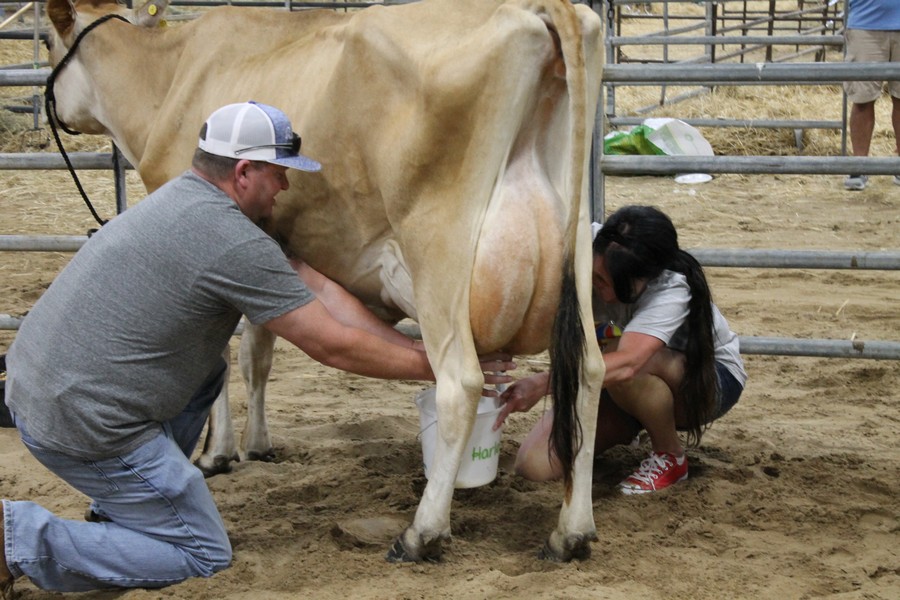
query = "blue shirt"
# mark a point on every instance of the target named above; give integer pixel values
(874, 15)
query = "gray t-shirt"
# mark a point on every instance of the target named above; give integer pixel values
(140, 316)
(661, 311)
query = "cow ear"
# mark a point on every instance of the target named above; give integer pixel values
(151, 13)
(62, 15)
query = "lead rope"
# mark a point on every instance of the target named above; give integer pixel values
(53, 117)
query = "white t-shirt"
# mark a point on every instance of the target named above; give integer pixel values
(661, 311)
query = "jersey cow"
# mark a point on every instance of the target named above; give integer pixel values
(454, 137)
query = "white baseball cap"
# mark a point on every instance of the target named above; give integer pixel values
(254, 131)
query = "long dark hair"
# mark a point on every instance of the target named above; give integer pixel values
(640, 242)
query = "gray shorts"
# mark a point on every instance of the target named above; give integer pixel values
(871, 46)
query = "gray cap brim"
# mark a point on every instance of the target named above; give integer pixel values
(299, 162)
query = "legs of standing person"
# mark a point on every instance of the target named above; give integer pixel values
(866, 46)
(163, 523)
(863, 46)
(862, 124)
(895, 121)
(894, 90)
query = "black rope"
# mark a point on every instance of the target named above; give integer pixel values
(53, 117)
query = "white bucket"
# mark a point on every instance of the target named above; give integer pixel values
(482, 454)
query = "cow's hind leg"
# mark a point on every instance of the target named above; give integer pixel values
(255, 357)
(583, 364)
(219, 448)
(576, 529)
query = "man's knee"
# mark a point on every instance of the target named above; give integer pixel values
(216, 556)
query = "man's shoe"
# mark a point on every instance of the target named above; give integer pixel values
(658, 471)
(856, 182)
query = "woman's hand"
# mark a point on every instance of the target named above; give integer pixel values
(522, 395)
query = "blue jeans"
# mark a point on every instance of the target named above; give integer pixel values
(164, 523)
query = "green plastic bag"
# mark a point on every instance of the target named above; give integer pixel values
(630, 142)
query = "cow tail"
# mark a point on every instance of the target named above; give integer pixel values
(567, 343)
(567, 346)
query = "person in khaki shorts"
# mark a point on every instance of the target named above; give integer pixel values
(872, 34)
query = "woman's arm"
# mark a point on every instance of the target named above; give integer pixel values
(629, 355)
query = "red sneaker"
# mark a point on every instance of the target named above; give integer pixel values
(655, 473)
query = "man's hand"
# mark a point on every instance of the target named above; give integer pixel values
(494, 367)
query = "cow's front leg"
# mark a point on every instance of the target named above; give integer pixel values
(255, 357)
(219, 448)
(457, 407)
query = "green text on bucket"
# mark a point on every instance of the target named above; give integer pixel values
(479, 453)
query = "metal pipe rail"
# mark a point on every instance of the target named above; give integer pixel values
(797, 259)
(759, 73)
(751, 123)
(704, 74)
(820, 348)
(720, 40)
(24, 77)
(36, 161)
(784, 165)
(827, 348)
(42, 243)
(708, 257)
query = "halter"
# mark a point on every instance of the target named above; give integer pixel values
(53, 117)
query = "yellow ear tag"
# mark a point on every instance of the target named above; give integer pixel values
(152, 10)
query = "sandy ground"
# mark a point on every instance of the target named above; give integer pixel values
(794, 494)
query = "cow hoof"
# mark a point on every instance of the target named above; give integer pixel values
(265, 456)
(402, 551)
(573, 547)
(220, 464)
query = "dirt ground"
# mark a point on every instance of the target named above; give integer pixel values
(794, 494)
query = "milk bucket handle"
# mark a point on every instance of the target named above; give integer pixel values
(429, 426)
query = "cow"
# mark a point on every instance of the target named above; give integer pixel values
(454, 137)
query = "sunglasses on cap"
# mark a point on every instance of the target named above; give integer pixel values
(293, 145)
